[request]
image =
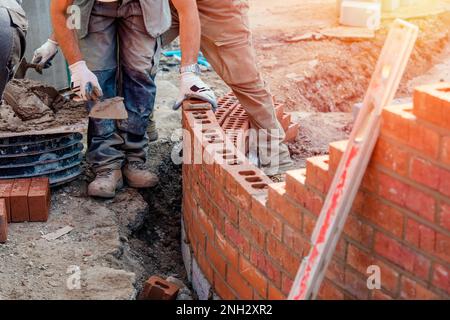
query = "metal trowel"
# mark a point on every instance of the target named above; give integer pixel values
(113, 109)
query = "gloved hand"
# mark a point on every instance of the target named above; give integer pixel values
(84, 82)
(193, 87)
(45, 54)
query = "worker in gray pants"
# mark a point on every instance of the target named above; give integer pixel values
(13, 28)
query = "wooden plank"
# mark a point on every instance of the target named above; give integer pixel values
(383, 86)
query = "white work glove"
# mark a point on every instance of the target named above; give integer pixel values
(193, 87)
(44, 55)
(84, 82)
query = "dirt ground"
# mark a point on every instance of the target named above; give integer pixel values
(115, 245)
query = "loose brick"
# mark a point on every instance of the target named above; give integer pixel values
(5, 193)
(157, 288)
(3, 221)
(441, 277)
(431, 104)
(402, 256)
(39, 199)
(292, 132)
(19, 200)
(253, 276)
(411, 290)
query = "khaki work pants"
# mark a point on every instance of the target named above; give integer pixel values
(227, 44)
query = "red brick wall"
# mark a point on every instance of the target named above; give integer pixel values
(249, 235)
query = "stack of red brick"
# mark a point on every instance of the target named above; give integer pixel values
(249, 235)
(23, 200)
(232, 117)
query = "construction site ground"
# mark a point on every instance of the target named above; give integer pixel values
(117, 244)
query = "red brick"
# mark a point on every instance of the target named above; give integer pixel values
(430, 175)
(424, 139)
(263, 263)
(205, 265)
(411, 290)
(328, 291)
(19, 200)
(317, 174)
(445, 150)
(260, 213)
(227, 250)
(391, 156)
(358, 230)
(239, 285)
(283, 256)
(430, 104)
(253, 276)
(379, 295)
(402, 256)
(355, 285)
(222, 288)
(292, 132)
(286, 284)
(386, 217)
(275, 294)
(216, 259)
(295, 241)
(3, 221)
(337, 150)
(237, 239)
(420, 235)
(361, 260)
(336, 272)
(285, 121)
(206, 224)
(309, 223)
(407, 196)
(444, 215)
(442, 249)
(441, 277)
(255, 233)
(39, 199)
(157, 288)
(5, 193)
(283, 206)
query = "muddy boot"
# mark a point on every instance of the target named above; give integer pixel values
(106, 183)
(138, 175)
(152, 131)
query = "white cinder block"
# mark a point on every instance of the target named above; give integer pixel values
(361, 14)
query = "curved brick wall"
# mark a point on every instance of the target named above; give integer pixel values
(246, 235)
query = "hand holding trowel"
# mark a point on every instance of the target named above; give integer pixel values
(113, 108)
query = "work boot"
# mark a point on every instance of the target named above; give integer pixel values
(138, 175)
(283, 164)
(106, 183)
(152, 131)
